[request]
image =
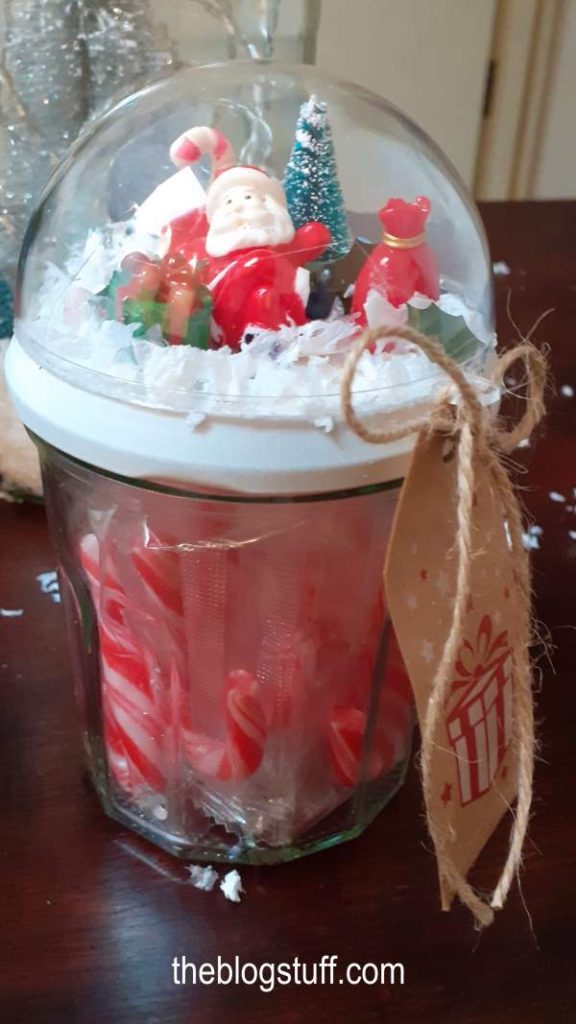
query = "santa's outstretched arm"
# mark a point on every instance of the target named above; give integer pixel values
(309, 242)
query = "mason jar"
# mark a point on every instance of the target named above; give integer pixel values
(242, 695)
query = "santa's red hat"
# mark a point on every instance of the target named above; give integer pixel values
(226, 174)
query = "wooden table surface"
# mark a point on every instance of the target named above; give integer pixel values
(92, 917)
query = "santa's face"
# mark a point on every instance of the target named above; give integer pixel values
(247, 217)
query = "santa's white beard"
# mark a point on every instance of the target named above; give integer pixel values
(229, 231)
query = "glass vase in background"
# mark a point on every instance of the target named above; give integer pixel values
(284, 30)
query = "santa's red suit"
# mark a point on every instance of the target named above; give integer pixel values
(255, 286)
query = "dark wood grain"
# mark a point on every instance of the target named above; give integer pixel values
(92, 917)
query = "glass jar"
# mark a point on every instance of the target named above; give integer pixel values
(241, 692)
(179, 351)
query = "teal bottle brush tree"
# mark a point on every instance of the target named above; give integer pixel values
(311, 181)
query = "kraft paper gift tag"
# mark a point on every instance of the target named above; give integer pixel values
(474, 769)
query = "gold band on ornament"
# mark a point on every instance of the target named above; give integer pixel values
(402, 243)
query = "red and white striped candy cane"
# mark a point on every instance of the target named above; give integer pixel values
(132, 732)
(191, 145)
(240, 753)
(184, 593)
(346, 737)
(346, 744)
(155, 586)
(157, 565)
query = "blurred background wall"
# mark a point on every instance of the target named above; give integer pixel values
(493, 81)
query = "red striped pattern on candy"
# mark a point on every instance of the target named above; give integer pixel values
(132, 730)
(191, 145)
(240, 753)
(387, 743)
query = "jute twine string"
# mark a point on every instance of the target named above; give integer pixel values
(479, 439)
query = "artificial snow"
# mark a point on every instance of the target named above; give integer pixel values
(501, 268)
(530, 538)
(203, 876)
(292, 373)
(231, 886)
(50, 584)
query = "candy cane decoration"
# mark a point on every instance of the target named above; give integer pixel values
(157, 567)
(156, 590)
(191, 145)
(345, 744)
(132, 731)
(346, 739)
(240, 754)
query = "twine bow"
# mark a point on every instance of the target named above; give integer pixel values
(478, 438)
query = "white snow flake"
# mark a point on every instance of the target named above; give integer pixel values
(530, 537)
(231, 886)
(203, 876)
(49, 584)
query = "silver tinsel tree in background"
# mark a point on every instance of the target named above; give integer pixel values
(124, 49)
(62, 61)
(24, 159)
(43, 56)
(41, 106)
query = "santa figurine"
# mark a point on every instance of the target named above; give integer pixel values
(244, 238)
(403, 264)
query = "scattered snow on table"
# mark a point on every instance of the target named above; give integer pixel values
(203, 876)
(531, 538)
(231, 886)
(49, 584)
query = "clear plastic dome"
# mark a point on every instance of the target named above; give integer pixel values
(192, 269)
